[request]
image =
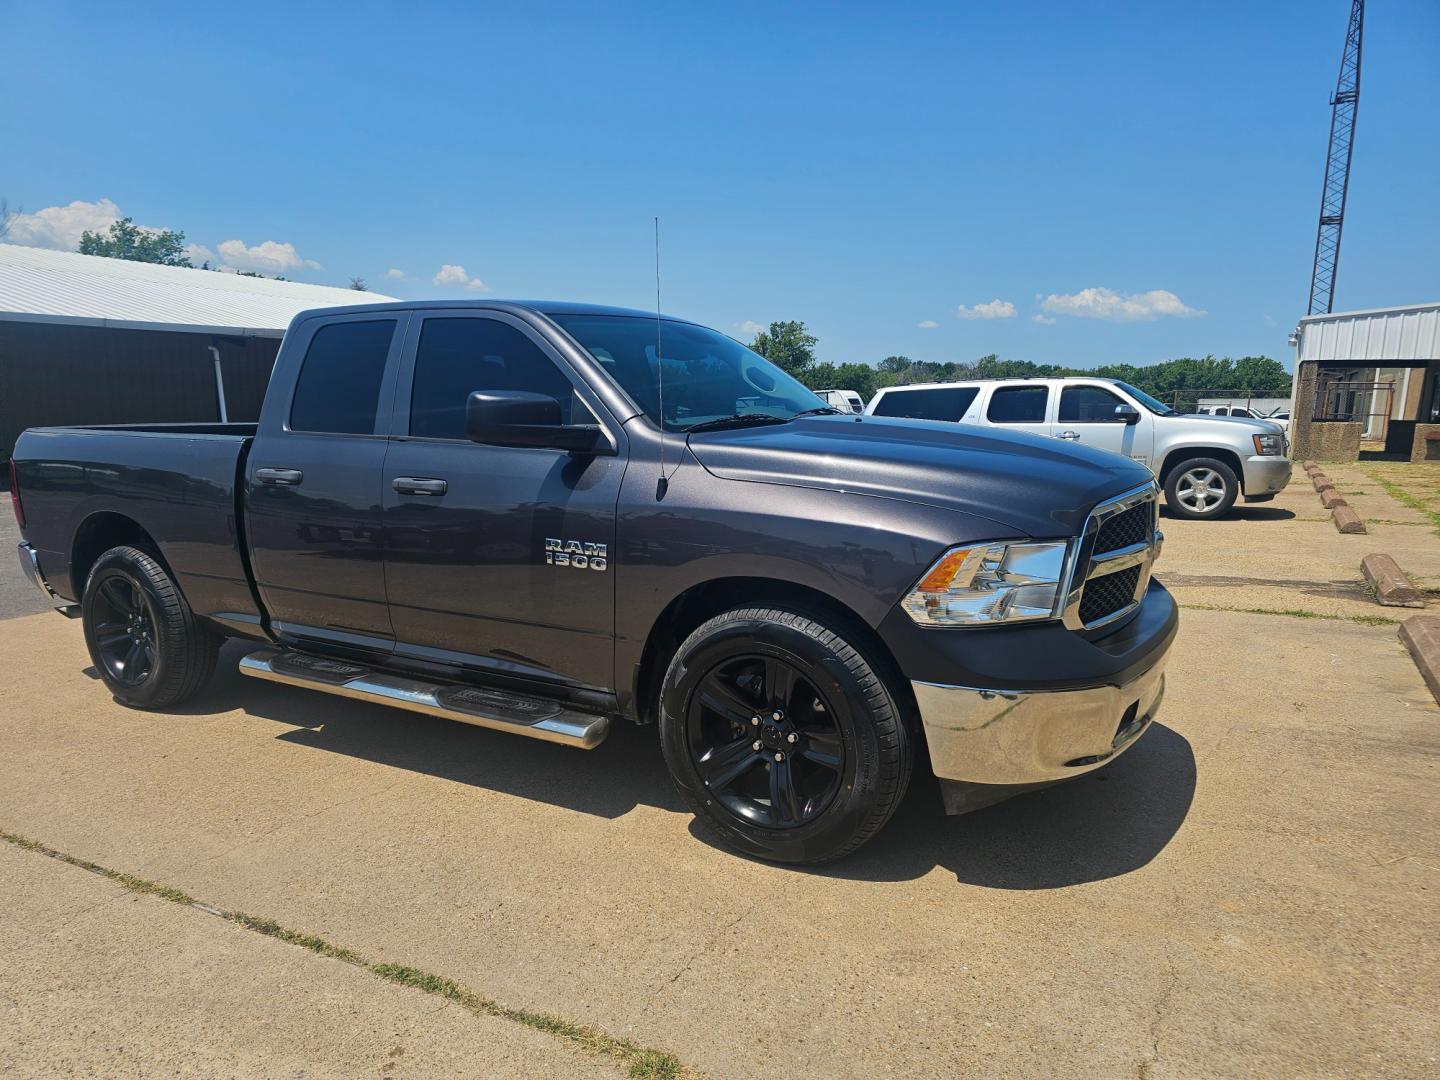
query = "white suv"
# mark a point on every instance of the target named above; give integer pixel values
(1204, 462)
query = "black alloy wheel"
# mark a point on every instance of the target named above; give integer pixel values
(765, 742)
(785, 739)
(124, 631)
(146, 643)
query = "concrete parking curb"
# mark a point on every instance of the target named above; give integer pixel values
(1320, 480)
(1330, 498)
(1421, 635)
(1346, 520)
(1392, 588)
(1308, 465)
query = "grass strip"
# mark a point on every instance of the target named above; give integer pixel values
(1298, 613)
(640, 1062)
(1399, 494)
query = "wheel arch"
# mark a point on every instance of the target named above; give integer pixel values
(709, 598)
(1177, 457)
(97, 534)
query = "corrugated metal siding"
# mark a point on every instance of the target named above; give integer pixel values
(1373, 338)
(55, 374)
(37, 283)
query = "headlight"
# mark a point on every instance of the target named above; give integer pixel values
(990, 583)
(1270, 445)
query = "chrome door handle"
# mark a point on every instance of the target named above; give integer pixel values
(1069, 436)
(418, 485)
(280, 477)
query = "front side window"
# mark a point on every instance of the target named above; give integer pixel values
(707, 376)
(338, 390)
(1017, 405)
(1088, 405)
(458, 356)
(1159, 408)
(938, 403)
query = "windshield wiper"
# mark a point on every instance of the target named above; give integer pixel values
(736, 420)
(823, 410)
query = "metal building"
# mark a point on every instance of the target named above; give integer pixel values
(1367, 385)
(89, 340)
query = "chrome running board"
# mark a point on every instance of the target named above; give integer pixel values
(499, 710)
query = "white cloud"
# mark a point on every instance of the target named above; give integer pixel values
(452, 275)
(269, 257)
(1043, 320)
(749, 326)
(927, 324)
(1101, 303)
(395, 275)
(995, 309)
(199, 254)
(60, 227)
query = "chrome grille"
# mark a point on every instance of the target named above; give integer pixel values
(1112, 562)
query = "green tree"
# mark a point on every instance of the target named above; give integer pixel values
(788, 345)
(358, 284)
(126, 240)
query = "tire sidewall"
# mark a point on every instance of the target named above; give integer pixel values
(1225, 472)
(712, 645)
(121, 564)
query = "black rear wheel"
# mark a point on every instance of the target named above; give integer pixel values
(782, 736)
(146, 643)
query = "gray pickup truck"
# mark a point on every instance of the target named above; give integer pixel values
(547, 518)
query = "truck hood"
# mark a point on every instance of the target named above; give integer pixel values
(1254, 427)
(1032, 485)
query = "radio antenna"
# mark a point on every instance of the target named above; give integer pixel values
(663, 483)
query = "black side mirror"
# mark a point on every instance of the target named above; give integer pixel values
(520, 418)
(1127, 415)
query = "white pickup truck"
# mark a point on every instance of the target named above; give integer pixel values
(1204, 463)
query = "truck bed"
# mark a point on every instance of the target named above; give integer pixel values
(178, 483)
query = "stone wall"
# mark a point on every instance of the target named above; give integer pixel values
(1332, 440)
(1426, 448)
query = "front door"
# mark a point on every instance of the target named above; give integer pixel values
(497, 558)
(313, 483)
(1086, 415)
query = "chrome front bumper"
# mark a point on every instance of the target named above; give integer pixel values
(1266, 475)
(1019, 738)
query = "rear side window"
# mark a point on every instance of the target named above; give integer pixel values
(1017, 405)
(459, 356)
(940, 403)
(1087, 405)
(339, 385)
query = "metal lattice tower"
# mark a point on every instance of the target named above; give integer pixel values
(1344, 105)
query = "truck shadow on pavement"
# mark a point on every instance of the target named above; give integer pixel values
(1098, 826)
(1242, 512)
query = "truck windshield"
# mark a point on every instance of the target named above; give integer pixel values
(708, 376)
(1159, 408)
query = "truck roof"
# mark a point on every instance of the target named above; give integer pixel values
(541, 307)
(1014, 379)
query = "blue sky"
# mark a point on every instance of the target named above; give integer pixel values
(866, 168)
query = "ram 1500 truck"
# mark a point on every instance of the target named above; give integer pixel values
(547, 518)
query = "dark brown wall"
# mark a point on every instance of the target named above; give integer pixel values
(56, 374)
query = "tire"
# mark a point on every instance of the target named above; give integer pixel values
(1201, 489)
(160, 656)
(831, 770)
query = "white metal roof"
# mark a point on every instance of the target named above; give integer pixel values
(1376, 337)
(39, 285)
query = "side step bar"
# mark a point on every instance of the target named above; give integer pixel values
(496, 709)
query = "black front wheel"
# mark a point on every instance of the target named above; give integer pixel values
(144, 640)
(782, 736)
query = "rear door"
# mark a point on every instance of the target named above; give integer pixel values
(313, 482)
(1086, 414)
(473, 576)
(1024, 406)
